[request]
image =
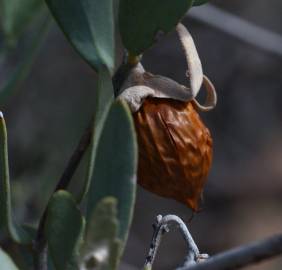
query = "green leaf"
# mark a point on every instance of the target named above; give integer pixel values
(104, 99)
(16, 16)
(6, 262)
(140, 20)
(102, 247)
(199, 2)
(21, 70)
(22, 256)
(115, 166)
(17, 233)
(64, 228)
(89, 26)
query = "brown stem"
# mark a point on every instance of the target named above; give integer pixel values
(75, 159)
(40, 258)
(40, 241)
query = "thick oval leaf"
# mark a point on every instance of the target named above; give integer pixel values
(16, 15)
(89, 26)
(101, 245)
(64, 228)
(140, 20)
(200, 2)
(6, 262)
(115, 166)
(16, 232)
(104, 99)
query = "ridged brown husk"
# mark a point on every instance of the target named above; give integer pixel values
(175, 150)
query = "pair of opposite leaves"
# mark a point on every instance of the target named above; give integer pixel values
(175, 147)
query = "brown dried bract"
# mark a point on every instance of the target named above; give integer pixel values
(175, 150)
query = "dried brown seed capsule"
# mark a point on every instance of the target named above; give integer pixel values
(175, 149)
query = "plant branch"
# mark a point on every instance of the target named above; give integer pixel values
(63, 183)
(233, 259)
(242, 256)
(239, 28)
(75, 159)
(72, 165)
(161, 226)
(73, 162)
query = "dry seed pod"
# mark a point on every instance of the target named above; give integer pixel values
(175, 150)
(175, 147)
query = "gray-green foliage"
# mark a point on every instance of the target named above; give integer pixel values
(6, 220)
(21, 70)
(114, 178)
(64, 230)
(140, 20)
(24, 24)
(17, 15)
(102, 246)
(115, 166)
(89, 26)
(104, 99)
(6, 262)
(110, 182)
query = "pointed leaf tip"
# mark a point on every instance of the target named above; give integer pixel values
(89, 26)
(7, 224)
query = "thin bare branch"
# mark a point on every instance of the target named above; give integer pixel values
(229, 260)
(238, 28)
(242, 256)
(161, 226)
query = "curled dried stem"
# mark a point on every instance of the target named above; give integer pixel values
(211, 98)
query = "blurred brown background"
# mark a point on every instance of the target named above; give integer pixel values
(243, 200)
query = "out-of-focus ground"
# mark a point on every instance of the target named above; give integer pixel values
(243, 198)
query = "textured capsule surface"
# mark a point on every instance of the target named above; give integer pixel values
(175, 150)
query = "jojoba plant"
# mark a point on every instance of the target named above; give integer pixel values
(148, 122)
